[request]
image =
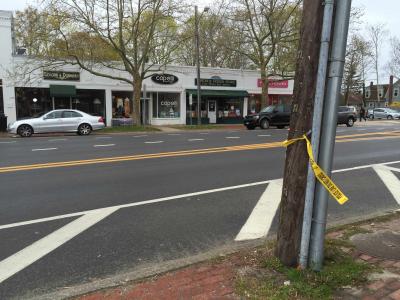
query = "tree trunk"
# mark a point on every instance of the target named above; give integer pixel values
(296, 164)
(137, 88)
(264, 87)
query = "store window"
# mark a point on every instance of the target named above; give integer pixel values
(32, 102)
(230, 108)
(122, 104)
(166, 105)
(396, 92)
(254, 104)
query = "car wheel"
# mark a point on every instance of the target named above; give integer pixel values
(350, 122)
(84, 129)
(25, 130)
(389, 117)
(250, 127)
(280, 126)
(264, 124)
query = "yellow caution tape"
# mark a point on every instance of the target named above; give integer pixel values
(319, 173)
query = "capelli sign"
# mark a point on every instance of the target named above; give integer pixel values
(164, 78)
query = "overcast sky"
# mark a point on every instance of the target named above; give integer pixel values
(375, 11)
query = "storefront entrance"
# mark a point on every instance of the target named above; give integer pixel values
(217, 106)
(212, 111)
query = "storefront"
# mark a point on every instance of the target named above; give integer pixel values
(279, 92)
(217, 106)
(169, 93)
(31, 102)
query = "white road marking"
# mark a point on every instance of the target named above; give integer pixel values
(136, 204)
(194, 140)
(27, 256)
(204, 133)
(103, 137)
(104, 145)
(44, 149)
(17, 224)
(139, 136)
(232, 137)
(263, 135)
(173, 134)
(154, 142)
(57, 140)
(391, 181)
(260, 220)
(11, 142)
(361, 129)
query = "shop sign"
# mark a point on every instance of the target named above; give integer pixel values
(164, 78)
(61, 75)
(275, 84)
(216, 82)
(169, 103)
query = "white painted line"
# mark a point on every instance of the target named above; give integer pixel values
(27, 256)
(104, 145)
(44, 149)
(139, 136)
(103, 137)
(361, 129)
(260, 220)
(263, 135)
(154, 142)
(173, 134)
(194, 140)
(391, 181)
(135, 204)
(232, 137)
(11, 142)
(204, 133)
(57, 140)
(58, 217)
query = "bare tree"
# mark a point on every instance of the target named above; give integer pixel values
(377, 34)
(264, 24)
(394, 64)
(357, 57)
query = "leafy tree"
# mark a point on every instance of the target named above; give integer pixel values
(116, 39)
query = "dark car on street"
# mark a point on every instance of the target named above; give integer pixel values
(274, 115)
(279, 116)
(347, 115)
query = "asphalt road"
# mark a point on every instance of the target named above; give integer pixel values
(135, 204)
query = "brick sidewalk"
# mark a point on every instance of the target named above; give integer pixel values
(205, 281)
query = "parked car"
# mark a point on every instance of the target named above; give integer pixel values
(279, 115)
(60, 120)
(384, 113)
(347, 115)
(274, 115)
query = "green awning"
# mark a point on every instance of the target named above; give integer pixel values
(226, 93)
(62, 90)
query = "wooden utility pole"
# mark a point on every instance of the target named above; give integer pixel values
(296, 165)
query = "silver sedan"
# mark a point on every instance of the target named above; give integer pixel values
(60, 120)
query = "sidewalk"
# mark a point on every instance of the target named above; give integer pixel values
(256, 274)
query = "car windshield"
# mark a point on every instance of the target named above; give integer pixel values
(268, 109)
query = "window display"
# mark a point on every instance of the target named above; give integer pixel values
(166, 105)
(122, 104)
(230, 108)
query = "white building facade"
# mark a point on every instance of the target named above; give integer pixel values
(170, 93)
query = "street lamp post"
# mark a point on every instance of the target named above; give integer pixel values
(196, 21)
